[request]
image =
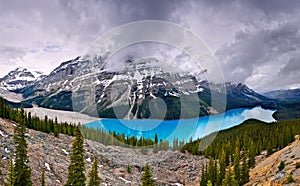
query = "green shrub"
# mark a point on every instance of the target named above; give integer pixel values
(128, 168)
(297, 165)
(281, 166)
(289, 179)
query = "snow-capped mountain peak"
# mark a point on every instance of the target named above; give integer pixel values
(19, 78)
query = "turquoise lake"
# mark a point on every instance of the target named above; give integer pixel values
(184, 128)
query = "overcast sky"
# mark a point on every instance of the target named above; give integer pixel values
(256, 42)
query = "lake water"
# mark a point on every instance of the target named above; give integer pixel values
(184, 128)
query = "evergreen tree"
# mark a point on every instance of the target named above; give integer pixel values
(22, 170)
(212, 171)
(43, 183)
(289, 179)
(156, 138)
(128, 168)
(236, 164)
(269, 148)
(229, 180)
(245, 170)
(251, 154)
(76, 170)
(281, 166)
(222, 167)
(11, 176)
(56, 128)
(175, 144)
(203, 177)
(0, 173)
(95, 180)
(147, 179)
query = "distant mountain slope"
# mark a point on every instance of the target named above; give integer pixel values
(291, 94)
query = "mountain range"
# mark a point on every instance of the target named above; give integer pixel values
(291, 94)
(135, 89)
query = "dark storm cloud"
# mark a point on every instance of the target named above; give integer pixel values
(255, 41)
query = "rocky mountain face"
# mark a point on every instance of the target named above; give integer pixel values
(18, 79)
(132, 89)
(53, 153)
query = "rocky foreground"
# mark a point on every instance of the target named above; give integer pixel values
(52, 154)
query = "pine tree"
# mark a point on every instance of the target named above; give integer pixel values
(269, 149)
(212, 171)
(222, 167)
(245, 170)
(229, 180)
(175, 144)
(95, 180)
(236, 164)
(128, 168)
(251, 154)
(22, 170)
(76, 170)
(56, 127)
(11, 176)
(281, 166)
(0, 175)
(43, 183)
(147, 179)
(156, 138)
(203, 177)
